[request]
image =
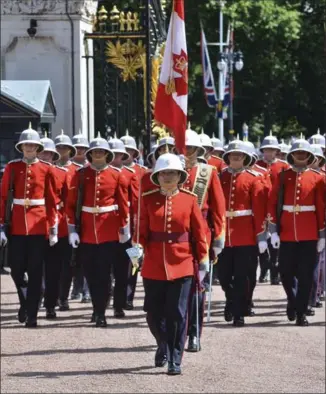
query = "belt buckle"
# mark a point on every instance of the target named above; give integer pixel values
(27, 202)
(96, 209)
(231, 214)
(297, 208)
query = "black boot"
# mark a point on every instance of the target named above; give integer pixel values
(93, 318)
(291, 313)
(31, 322)
(161, 356)
(101, 321)
(238, 321)
(63, 305)
(22, 315)
(174, 369)
(228, 316)
(119, 313)
(310, 311)
(302, 321)
(193, 344)
(50, 313)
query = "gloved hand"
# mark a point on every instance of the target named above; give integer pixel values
(203, 269)
(275, 241)
(262, 246)
(217, 250)
(202, 275)
(53, 239)
(320, 245)
(3, 238)
(74, 240)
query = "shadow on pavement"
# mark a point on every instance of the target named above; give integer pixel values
(118, 371)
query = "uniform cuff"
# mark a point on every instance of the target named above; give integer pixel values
(219, 243)
(124, 233)
(53, 230)
(71, 228)
(204, 266)
(262, 236)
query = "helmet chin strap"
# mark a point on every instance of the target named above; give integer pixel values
(191, 160)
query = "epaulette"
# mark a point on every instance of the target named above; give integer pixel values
(314, 170)
(115, 168)
(252, 172)
(189, 192)
(61, 168)
(14, 161)
(150, 192)
(261, 168)
(140, 165)
(77, 164)
(130, 169)
(45, 162)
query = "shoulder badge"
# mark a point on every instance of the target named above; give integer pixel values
(150, 192)
(252, 172)
(115, 168)
(188, 192)
(14, 161)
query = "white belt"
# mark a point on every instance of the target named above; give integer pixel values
(244, 212)
(299, 208)
(29, 202)
(109, 208)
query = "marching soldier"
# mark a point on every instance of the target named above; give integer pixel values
(211, 159)
(172, 231)
(34, 215)
(218, 147)
(53, 257)
(79, 283)
(131, 148)
(299, 230)
(269, 149)
(284, 150)
(244, 193)
(67, 152)
(104, 222)
(122, 267)
(204, 182)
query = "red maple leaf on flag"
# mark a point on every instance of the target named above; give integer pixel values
(180, 66)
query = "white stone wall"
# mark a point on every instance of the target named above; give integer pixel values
(48, 56)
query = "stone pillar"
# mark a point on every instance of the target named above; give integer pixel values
(48, 55)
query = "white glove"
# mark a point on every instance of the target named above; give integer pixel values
(217, 250)
(202, 275)
(320, 245)
(262, 246)
(74, 240)
(275, 241)
(3, 239)
(53, 239)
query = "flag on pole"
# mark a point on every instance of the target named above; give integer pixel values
(208, 77)
(223, 106)
(172, 96)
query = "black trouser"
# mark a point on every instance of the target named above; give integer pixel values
(120, 272)
(66, 269)
(166, 304)
(97, 261)
(234, 268)
(273, 261)
(298, 260)
(26, 254)
(252, 276)
(56, 270)
(264, 264)
(192, 319)
(131, 285)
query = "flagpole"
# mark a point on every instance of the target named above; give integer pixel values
(148, 80)
(221, 79)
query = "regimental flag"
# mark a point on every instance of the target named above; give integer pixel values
(208, 77)
(172, 97)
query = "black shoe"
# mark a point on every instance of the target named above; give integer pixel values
(50, 313)
(310, 311)
(228, 316)
(93, 318)
(193, 344)
(129, 306)
(250, 312)
(86, 299)
(119, 313)
(22, 315)
(101, 321)
(319, 304)
(302, 321)
(262, 279)
(160, 356)
(63, 305)
(275, 282)
(238, 322)
(31, 322)
(4, 272)
(174, 369)
(291, 313)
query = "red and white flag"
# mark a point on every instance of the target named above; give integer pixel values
(172, 96)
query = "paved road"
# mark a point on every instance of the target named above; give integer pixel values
(70, 356)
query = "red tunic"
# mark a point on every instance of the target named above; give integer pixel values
(133, 192)
(213, 205)
(31, 182)
(273, 168)
(103, 188)
(217, 162)
(62, 186)
(162, 221)
(244, 194)
(301, 189)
